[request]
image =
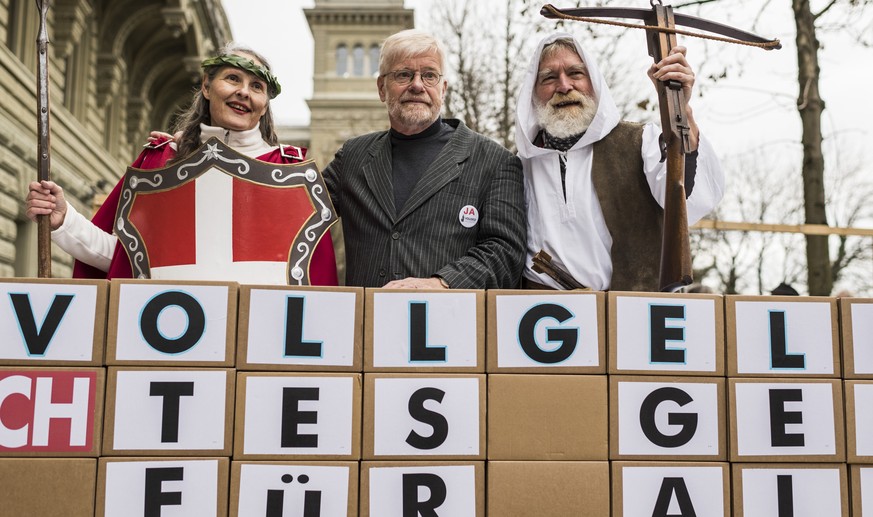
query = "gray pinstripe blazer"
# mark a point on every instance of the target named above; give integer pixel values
(426, 238)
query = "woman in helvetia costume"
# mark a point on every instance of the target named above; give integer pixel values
(233, 104)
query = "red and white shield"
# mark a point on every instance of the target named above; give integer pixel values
(219, 215)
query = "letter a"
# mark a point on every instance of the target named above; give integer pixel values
(669, 487)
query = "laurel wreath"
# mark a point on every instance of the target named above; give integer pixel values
(273, 87)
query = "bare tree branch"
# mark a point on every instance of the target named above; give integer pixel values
(825, 9)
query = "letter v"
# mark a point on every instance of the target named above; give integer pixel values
(37, 340)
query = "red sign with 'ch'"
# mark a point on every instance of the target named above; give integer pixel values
(47, 411)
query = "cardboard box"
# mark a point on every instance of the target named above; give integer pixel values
(786, 420)
(411, 416)
(656, 418)
(147, 486)
(298, 416)
(861, 483)
(172, 323)
(548, 488)
(782, 336)
(666, 334)
(48, 487)
(52, 322)
(300, 328)
(547, 417)
(653, 488)
(51, 411)
(169, 412)
(395, 489)
(296, 488)
(424, 330)
(807, 489)
(546, 332)
(856, 326)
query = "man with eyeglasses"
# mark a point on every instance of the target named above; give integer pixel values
(429, 203)
(594, 184)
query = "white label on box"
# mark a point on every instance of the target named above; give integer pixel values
(862, 337)
(413, 329)
(866, 474)
(293, 490)
(784, 338)
(863, 419)
(547, 330)
(423, 490)
(301, 327)
(775, 419)
(808, 492)
(673, 490)
(174, 488)
(185, 323)
(424, 416)
(665, 334)
(170, 409)
(298, 415)
(670, 419)
(47, 322)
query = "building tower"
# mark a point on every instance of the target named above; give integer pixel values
(347, 35)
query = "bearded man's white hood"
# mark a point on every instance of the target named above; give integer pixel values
(526, 127)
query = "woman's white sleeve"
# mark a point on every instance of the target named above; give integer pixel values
(84, 240)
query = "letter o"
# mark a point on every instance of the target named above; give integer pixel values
(148, 322)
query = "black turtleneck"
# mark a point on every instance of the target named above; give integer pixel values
(411, 155)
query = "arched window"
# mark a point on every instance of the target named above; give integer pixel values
(358, 60)
(342, 61)
(374, 60)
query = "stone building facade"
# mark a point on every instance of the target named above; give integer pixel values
(117, 68)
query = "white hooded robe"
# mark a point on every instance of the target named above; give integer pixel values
(573, 231)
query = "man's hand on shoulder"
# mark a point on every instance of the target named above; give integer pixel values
(160, 136)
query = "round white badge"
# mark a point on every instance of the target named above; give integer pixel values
(468, 216)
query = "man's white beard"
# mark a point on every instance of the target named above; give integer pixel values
(568, 121)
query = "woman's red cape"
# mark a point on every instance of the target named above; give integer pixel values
(322, 268)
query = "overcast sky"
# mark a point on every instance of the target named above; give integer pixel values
(735, 114)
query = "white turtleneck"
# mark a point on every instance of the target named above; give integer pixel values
(89, 244)
(247, 142)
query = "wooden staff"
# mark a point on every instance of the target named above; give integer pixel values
(43, 222)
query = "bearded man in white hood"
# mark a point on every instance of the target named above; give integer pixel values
(594, 185)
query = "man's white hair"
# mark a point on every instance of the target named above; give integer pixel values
(407, 44)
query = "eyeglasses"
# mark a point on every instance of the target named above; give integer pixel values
(402, 77)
